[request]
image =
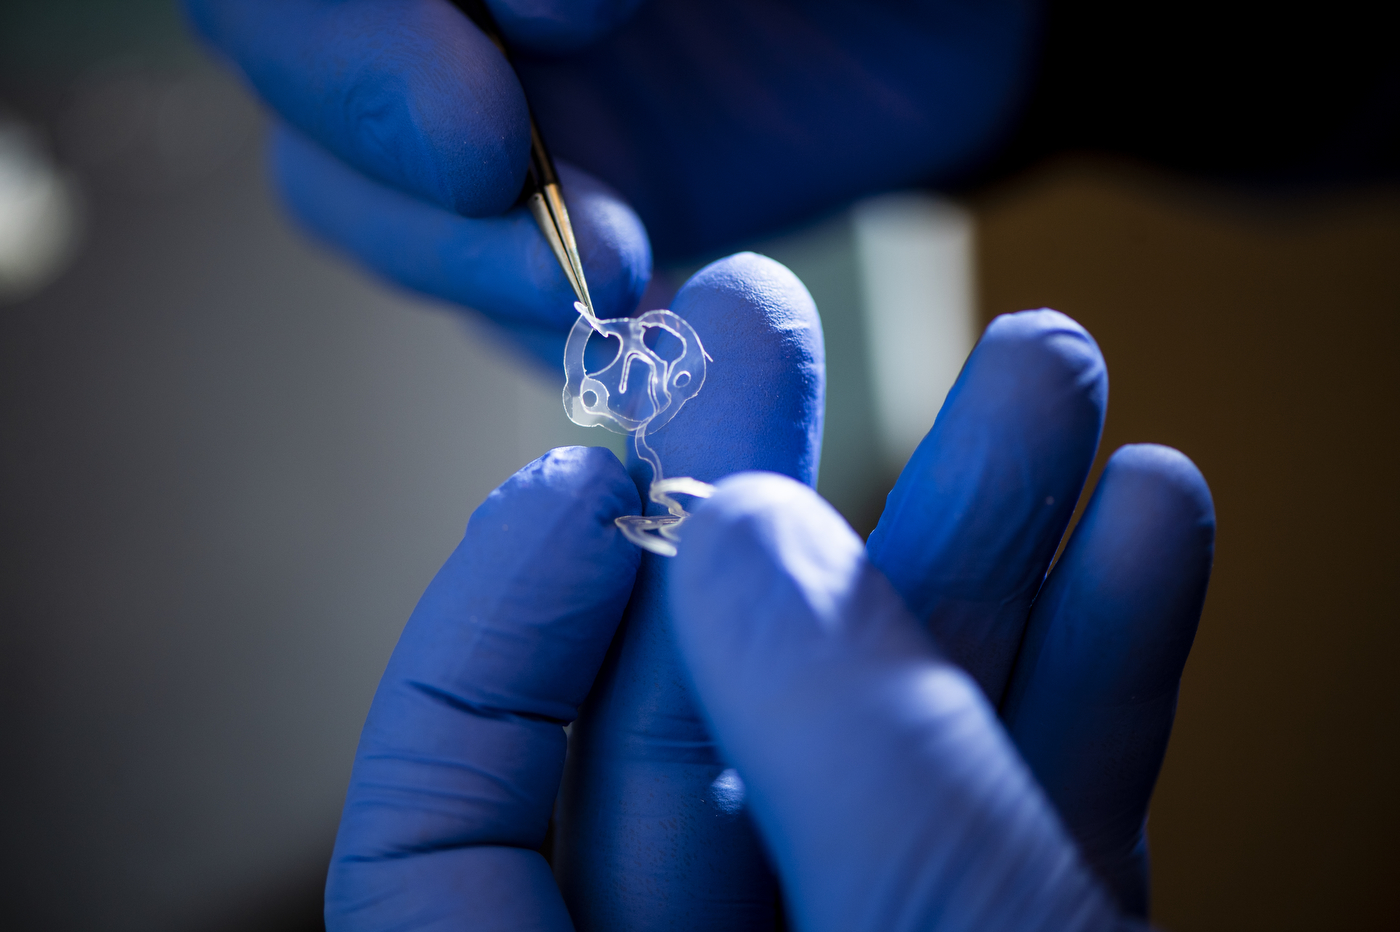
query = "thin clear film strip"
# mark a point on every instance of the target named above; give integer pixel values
(657, 365)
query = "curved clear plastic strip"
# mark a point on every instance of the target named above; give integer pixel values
(638, 391)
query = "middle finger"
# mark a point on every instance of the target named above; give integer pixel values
(977, 513)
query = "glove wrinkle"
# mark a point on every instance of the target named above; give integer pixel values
(454, 701)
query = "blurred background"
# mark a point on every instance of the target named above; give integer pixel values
(229, 464)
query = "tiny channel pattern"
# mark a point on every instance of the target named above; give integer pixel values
(601, 399)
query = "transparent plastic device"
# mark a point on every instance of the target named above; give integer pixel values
(638, 392)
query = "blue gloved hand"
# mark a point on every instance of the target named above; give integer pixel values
(458, 768)
(716, 121)
(855, 689)
(1083, 667)
(460, 757)
(459, 764)
(887, 792)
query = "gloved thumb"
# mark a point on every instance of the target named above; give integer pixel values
(884, 787)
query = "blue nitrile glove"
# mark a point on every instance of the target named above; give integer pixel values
(461, 757)
(884, 787)
(460, 760)
(717, 121)
(886, 791)
(1084, 669)
(650, 834)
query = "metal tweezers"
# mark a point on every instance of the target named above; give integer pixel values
(541, 193)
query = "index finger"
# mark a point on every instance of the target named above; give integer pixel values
(407, 91)
(973, 521)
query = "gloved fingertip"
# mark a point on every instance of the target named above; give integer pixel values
(1093, 694)
(595, 474)
(767, 284)
(766, 572)
(735, 533)
(1146, 538)
(1046, 354)
(572, 484)
(974, 519)
(555, 26)
(1034, 390)
(1165, 483)
(762, 401)
(563, 502)
(1117, 616)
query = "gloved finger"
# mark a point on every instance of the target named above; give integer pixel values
(407, 91)
(651, 832)
(977, 513)
(559, 25)
(501, 266)
(880, 778)
(459, 761)
(1094, 691)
